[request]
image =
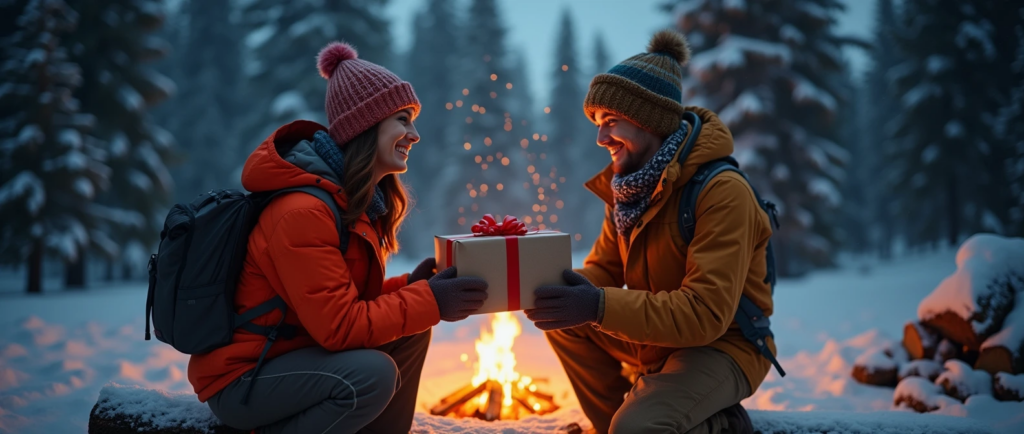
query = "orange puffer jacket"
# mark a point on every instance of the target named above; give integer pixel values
(336, 302)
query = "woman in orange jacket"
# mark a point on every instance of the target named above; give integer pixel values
(355, 359)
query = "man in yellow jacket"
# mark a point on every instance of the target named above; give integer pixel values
(646, 300)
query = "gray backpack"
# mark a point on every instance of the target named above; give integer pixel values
(192, 276)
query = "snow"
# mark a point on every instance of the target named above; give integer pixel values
(983, 262)
(70, 138)
(807, 92)
(1011, 382)
(119, 144)
(28, 184)
(826, 189)
(966, 380)
(732, 52)
(954, 129)
(83, 186)
(288, 103)
(789, 33)
(155, 164)
(59, 350)
(260, 36)
(924, 368)
(130, 98)
(31, 134)
(874, 360)
(930, 153)
(735, 5)
(923, 391)
(686, 7)
(1011, 335)
(156, 409)
(980, 33)
(920, 93)
(747, 104)
(937, 64)
(310, 23)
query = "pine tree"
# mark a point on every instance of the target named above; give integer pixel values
(1010, 128)
(432, 69)
(952, 80)
(283, 39)
(773, 72)
(50, 168)
(493, 146)
(572, 136)
(879, 111)
(203, 115)
(113, 42)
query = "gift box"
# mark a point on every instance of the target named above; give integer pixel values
(513, 260)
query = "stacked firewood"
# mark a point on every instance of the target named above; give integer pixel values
(969, 336)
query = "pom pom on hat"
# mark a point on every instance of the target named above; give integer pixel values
(331, 55)
(672, 44)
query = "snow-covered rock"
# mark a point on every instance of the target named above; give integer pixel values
(961, 381)
(970, 305)
(151, 410)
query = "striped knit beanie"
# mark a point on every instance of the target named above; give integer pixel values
(646, 88)
(360, 94)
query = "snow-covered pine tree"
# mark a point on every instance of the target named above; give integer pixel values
(50, 168)
(282, 41)
(113, 43)
(1010, 128)
(432, 68)
(203, 115)
(494, 143)
(572, 156)
(952, 80)
(771, 70)
(879, 108)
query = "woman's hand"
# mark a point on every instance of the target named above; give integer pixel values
(457, 297)
(423, 271)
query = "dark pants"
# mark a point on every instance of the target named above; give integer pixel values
(680, 390)
(312, 390)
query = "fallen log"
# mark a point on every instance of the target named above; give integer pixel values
(920, 341)
(1004, 351)
(875, 367)
(961, 381)
(1008, 387)
(920, 395)
(134, 410)
(923, 368)
(970, 305)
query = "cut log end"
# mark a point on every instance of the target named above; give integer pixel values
(996, 359)
(875, 376)
(954, 328)
(919, 341)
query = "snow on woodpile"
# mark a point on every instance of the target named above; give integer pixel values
(921, 395)
(961, 381)
(970, 305)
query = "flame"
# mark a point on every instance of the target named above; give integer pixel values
(495, 359)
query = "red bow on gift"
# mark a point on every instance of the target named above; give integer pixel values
(488, 226)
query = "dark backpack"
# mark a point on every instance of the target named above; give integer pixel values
(754, 325)
(192, 276)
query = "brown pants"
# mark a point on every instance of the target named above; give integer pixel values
(680, 390)
(312, 390)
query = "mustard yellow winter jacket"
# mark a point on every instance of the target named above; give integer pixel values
(678, 295)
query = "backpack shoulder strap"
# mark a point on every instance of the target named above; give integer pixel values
(692, 189)
(326, 198)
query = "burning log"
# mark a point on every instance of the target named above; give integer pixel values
(456, 400)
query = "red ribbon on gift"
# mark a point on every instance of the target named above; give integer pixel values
(511, 228)
(488, 226)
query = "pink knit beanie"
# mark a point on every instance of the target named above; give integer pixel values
(360, 94)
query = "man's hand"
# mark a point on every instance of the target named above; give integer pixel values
(559, 307)
(423, 271)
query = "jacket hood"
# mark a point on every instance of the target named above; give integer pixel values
(286, 159)
(714, 142)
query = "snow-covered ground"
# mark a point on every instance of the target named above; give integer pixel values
(59, 349)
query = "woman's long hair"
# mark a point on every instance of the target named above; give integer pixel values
(360, 158)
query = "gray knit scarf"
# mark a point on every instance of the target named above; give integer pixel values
(632, 192)
(328, 151)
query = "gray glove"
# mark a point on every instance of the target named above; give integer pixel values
(559, 307)
(457, 297)
(423, 271)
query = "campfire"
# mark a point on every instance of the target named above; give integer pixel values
(497, 391)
